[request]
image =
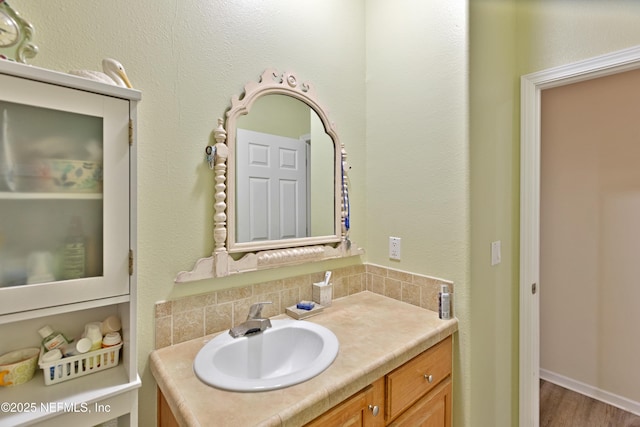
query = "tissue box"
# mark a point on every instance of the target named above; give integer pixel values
(322, 294)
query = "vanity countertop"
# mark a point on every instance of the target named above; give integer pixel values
(377, 334)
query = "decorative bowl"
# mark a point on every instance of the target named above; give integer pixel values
(18, 367)
(76, 175)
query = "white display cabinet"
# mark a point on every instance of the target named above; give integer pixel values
(67, 236)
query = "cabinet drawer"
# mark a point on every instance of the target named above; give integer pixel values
(417, 377)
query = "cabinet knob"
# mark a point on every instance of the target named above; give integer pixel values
(429, 378)
(375, 410)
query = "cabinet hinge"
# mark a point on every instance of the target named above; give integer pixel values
(130, 262)
(130, 132)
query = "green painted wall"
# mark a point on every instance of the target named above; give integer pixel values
(417, 151)
(189, 59)
(277, 115)
(509, 39)
(425, 97)
(494, 122)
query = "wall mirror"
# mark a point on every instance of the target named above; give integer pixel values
(281, 186)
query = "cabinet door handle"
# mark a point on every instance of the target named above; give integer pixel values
(375, 410)
(429, 378)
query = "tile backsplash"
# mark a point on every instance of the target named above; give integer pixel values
(195, 316)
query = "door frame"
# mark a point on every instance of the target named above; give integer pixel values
(531, 86)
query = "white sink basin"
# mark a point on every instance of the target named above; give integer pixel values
(288, 353)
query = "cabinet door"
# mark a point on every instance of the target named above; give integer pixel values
(362, 409)
(433, 410)
(350, 413)
(64, 195)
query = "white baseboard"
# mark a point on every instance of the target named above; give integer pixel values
(591, 391)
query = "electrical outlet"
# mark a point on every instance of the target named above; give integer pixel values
(394, 248)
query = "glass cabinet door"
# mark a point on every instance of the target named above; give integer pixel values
(63, 195)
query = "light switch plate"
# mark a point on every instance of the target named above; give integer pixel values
(496, 256)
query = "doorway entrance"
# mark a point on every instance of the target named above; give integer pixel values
(531, 87)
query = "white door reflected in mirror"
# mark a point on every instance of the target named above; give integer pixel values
(272, 187)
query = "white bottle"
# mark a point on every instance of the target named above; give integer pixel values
(52, 356)
(74, 261)
(79, 346)
(444, 302)
(110, 324)
(92, 331)
(52, 339)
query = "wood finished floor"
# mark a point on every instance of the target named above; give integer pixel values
(560, 407)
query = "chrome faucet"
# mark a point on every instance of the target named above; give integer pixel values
(255, 322)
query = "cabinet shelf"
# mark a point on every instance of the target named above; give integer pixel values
(50, 196)
(34, 402)
(67, 308)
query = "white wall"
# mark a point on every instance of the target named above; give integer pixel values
(589, 239)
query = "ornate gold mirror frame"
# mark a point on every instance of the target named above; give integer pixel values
(273, 253)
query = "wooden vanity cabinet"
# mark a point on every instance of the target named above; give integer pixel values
(165, 417)
(415, 394)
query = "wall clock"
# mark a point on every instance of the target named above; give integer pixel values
(15, 35)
